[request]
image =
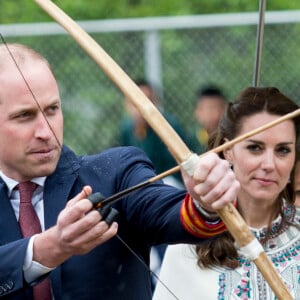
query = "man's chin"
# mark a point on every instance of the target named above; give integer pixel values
(45, 170)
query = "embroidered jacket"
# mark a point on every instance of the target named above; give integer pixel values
(187, 281)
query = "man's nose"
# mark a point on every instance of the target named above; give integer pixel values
(43, 128)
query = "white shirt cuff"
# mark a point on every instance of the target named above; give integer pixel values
(32, 269)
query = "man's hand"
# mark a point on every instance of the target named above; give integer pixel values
(78, 230)
(213, 184)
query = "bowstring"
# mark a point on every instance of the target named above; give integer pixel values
(146, 266)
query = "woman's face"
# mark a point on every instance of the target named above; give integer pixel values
(263, 162)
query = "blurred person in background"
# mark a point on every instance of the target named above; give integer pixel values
(209, 108)
(135, 131)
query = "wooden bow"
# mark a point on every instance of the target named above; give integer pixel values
(230, 216)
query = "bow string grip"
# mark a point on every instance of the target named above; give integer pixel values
(96, 199)
(107, 212)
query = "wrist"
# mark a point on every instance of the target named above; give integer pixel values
(209, 216)
(46, 250)
(197, 224)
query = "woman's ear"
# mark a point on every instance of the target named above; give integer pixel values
(228, 153)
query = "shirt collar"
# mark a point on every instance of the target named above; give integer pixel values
(11, 183)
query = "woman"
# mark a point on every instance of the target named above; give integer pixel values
(263, 164)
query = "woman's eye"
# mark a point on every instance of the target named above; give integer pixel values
(254, 148)
(283, 150)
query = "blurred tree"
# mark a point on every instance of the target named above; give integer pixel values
(18, 11)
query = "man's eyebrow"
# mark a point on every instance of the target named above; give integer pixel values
(56, 101)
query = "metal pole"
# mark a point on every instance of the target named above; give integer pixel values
(259, 42)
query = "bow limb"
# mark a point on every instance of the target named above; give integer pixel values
(234, 222)
(121, 79)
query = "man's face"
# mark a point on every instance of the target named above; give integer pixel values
(31, 127)
(209, 111)
(134, 112)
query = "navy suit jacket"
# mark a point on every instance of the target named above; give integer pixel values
(111, 271)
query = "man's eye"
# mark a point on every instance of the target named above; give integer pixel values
(53, 109)
(23, 115)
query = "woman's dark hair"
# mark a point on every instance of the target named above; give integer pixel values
(221, 250)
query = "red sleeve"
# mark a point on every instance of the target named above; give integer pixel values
(194, 223)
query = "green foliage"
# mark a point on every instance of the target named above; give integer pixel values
(18, 11)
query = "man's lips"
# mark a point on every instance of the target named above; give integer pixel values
(44, 153)
(43, 150)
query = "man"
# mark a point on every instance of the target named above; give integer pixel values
(77, 249)
(135, 131)
(210, 106)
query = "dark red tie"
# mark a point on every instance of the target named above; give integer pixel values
(30, 225)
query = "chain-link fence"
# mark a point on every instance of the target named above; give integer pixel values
(178, 58)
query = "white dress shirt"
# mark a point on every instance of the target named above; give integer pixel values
(32, 269)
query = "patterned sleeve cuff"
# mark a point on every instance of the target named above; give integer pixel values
(195, 224)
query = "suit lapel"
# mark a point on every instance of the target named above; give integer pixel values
(58, 186)
(57, 192)
(9, 226)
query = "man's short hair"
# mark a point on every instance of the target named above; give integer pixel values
(210, 91)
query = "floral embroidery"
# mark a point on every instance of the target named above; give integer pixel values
(277, 228)
(292, 253)
(243, 289)
(222, 286)
(283, 248)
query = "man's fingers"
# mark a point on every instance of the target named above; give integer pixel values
(80, 242)
(73, 213)
(86, 191)
(94, 240)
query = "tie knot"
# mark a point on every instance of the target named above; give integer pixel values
(26, 190)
